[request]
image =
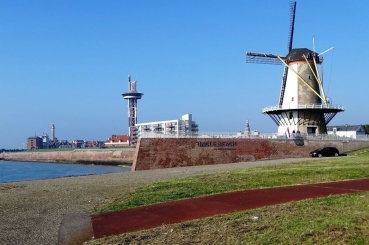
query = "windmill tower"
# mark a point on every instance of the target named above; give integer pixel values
(303, 106)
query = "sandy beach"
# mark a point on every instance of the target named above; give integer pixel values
(31, 212)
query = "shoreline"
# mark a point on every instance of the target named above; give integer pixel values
(13, 171)
(108, 157)
(53, 178)
(32, 211)
(82, 162)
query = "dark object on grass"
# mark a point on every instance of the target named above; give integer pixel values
(325, 151)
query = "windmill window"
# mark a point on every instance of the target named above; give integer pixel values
(292, 99)
(309, 77)
(291, 114)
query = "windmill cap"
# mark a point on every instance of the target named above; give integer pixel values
(296, 54)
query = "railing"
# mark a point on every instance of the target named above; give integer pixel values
(253, 135)
(307, 106)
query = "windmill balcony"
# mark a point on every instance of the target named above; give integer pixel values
(307, 106)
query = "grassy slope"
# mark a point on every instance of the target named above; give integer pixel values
(333, 220)
(327, 169)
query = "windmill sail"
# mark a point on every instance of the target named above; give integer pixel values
(289, 47)
(260, 58)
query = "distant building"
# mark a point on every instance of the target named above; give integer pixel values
(117, 140)
(45, 141)
(78, 143)
(349, 131)
(34, 143)
(94, 143)
(64, 144)
(177, 128)
(247, 131)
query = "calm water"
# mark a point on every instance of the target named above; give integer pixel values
(22, 171)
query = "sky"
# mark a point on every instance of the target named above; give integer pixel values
(66, 62)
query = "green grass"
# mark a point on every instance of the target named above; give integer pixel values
(354, 166)
(341, 219)
(52, 150)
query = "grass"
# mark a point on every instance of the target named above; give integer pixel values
(354, 166)
(52, 150)
(340, 219)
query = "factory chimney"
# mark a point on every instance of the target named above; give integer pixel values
(52, 132)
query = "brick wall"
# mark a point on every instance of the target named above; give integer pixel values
(169, 153)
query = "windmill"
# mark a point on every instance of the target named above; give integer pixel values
(303, 106)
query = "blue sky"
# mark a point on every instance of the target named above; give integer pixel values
(67, 62)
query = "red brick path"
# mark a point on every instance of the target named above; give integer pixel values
(146, 217)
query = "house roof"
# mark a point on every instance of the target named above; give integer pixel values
(117, 138)
(343, 128)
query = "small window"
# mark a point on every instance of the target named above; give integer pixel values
(292, 99)
(291, 115)
(309, 77)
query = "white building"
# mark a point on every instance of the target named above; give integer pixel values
(349, 131)
(172, 128)
(45, 141)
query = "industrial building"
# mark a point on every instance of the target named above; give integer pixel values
(172, 128)
(34, 143)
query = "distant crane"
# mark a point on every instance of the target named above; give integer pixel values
(303, 106)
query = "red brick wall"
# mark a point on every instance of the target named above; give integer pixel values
(168, 153)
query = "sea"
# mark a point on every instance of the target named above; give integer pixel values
(24, 171)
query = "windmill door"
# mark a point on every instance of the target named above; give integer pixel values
(311, 130)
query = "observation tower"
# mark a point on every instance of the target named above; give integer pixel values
(132, 96)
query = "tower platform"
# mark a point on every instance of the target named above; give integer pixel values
(303, 117)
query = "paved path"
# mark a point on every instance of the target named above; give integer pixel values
(147, 217)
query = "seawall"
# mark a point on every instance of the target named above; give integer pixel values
(151, 153)
(159, 153)
(90, 156)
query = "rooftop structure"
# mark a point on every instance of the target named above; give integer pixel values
(132, 96)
